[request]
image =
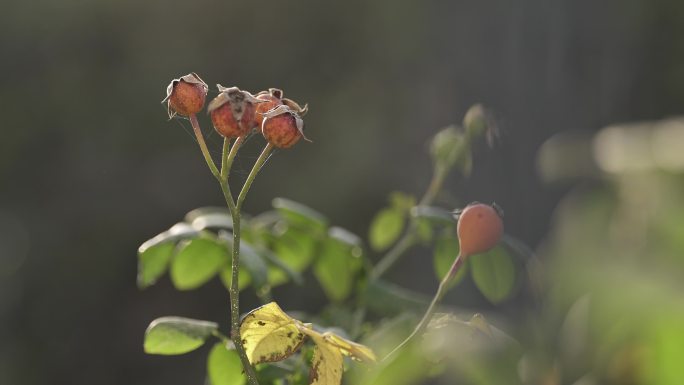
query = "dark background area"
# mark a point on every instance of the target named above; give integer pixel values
(90, 167)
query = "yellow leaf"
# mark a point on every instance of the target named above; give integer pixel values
(327, 364)
(268, 334)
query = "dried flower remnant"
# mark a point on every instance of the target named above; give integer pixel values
(233, 111)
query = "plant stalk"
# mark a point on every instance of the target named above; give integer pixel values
(203, 146)
(408, 239)
(441, 291)
(252, 174)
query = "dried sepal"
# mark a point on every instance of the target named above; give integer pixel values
(294, 106)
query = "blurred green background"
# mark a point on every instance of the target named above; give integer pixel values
(90, 167)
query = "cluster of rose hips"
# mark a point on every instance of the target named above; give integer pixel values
(235, 113)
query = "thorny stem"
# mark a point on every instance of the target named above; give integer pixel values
(409, 238)
(203, 146)
(443, 287)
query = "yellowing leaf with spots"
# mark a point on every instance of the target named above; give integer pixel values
(268, 334)
(327, 364)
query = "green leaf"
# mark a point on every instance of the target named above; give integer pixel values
(197, 261)
(335, 269)
(294, 248)
(494, 274)
(446, 251)
(437, 215)
(175, 233)
(249, 258)
(299, 215)
(152, 263)
(210, 217)
(176, 335)
(387, 298)
(386, 228)
(402, 201)
(224, 366)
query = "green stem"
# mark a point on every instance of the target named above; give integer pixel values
(252, 174)
(408, 239)
(203, 146)
(443, 288)
(228, 157)
(235, 300)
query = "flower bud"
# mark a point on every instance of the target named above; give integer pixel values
(233, 112)
(282, 127)
(186, 95)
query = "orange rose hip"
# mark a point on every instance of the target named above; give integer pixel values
(479, 229)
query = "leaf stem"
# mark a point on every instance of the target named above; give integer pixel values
(228, 157)
(443, 288)
(203, 146)
(408, 240)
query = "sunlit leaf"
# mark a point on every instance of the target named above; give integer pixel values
(294, 248)
(401, 201)
(177, 232)
(197, 261)
(299, 215)
(210, 217)
(176, 335)
(386, 228)
(446, 251)
(224, 366)
(152, 263)
(335, 268)
(268, 334)
(494, 274)
(327, 364)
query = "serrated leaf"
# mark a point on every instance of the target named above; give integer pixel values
(494, 274)
(386, 228)
(335, 269)
(446, 251)
(224, 366)
(299, 215)
(152, 263)
(175, 233)
(197, 261)
(176, 335)
(210, 217)
(268, 334)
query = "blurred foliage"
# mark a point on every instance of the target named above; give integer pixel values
(89, 168)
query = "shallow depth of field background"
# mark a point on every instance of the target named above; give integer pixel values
(90, 166)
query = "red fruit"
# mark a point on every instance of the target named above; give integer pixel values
(282, 127)
(479, 228)
(270, 103)
(186, 95)
(233, 112)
